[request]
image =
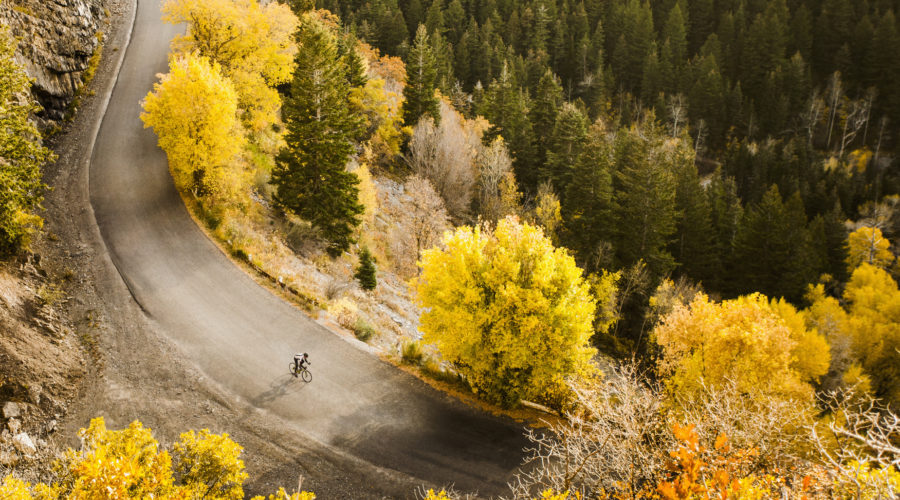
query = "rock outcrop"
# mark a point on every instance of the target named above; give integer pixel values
(56, 40)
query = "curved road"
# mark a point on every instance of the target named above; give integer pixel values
(242, 337)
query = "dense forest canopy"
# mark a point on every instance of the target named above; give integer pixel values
(810, 75)
(797, 94)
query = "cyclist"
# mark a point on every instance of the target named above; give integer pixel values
(300, 362)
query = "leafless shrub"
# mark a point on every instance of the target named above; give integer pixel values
(445, 155)
(861, 438)
(614, 441)
(420, 227)
(301, 237)
(335, 287)
(775, 428)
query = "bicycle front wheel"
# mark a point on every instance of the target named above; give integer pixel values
(306, 376)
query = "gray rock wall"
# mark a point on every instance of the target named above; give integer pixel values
(56, 41)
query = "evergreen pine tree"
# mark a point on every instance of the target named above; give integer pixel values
(414, 14)
(725, 216)
(651, 79)
(835, 243)
(434, 18)
(692, 247)
(356, 70)
(675, 32)
(421, 80)
(702, 22)
(301, 6)
(631, 28)
(588, 202)
(455, 21)
(708, 98)
(505, 106)
(365, 272)
(566, 144)
(884, 65)
(309, 175)
(772, 248)
(644, 201)
(542, 115)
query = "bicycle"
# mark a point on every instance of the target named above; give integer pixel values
(303, 372)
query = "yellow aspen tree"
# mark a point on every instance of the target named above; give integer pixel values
(811, 357)
(509, 310)
(868, 246)
(192, 110)
(209, 465)
(251, 42)
(743, 341)
(382, 119)
(873, 303)
(129, 463)
(118, 464)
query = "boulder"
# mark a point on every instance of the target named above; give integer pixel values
(24, 444)
(11, 410)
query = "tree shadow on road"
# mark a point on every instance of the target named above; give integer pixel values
(280, 387)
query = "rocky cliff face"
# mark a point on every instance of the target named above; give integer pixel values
(56, 41)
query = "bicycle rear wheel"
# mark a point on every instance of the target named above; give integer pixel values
(292, 369)
(306, 376)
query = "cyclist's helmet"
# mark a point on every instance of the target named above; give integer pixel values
(305, 355)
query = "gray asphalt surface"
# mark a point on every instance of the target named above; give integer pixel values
(242, 337)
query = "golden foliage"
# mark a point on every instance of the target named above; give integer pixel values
(745, 340)
(210, 464)
(15, 489)
(698, 472)
(383, 119)
(192, 110)
(251, 41)
(281, 494)
(509, 310)
(388, 68)
(874, 324)
(129, 464)
(867, 245)
(118, 464)
(547, 210)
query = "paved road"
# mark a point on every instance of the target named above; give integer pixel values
(242, 337)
